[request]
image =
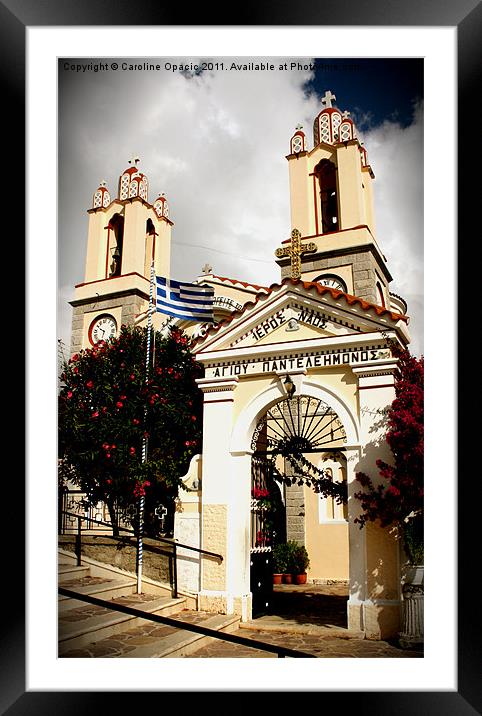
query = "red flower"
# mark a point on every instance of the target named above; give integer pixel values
(132, 376)
(193, 418)
(69, 394)
(119, 404)
(95, 414)
(132, 450)
(135, 421)
(90, 384)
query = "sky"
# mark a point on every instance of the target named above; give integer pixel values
(215, 142)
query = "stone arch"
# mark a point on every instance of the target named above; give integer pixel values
(246, 422)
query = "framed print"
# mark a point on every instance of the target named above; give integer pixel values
(53, 78)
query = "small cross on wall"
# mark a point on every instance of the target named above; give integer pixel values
(206, 269)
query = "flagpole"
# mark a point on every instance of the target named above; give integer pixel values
(144, 439)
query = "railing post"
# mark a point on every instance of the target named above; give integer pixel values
(175, 570)
(78, 543)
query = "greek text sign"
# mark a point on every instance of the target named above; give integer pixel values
(287, 363)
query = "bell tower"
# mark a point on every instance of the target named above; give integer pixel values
(332, 208)
(125, 235)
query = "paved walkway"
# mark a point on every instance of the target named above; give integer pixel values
(309, 618)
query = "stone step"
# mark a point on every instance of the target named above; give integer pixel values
(66, 572)
(80, 626)
(99, 587)
(184, 643)
(154, 640)
(291, 627)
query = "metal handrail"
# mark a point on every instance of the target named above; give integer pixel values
(156, 539)
(172, 555)
(281, 651)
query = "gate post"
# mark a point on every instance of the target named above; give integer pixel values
(225, 505)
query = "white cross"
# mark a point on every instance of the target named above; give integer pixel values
(134, 160)
(327, 98)
(206, 269)
(103, 183)
(299, 126)
(346, 114)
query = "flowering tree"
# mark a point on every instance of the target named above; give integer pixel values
(107, 409)
(399, 499)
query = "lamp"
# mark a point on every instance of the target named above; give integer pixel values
(289, 387)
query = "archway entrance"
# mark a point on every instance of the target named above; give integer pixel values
(292, 443)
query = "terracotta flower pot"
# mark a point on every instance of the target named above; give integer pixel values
(288, 578)
(301, 578)
(277, 578)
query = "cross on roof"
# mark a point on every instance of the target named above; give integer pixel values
(327, 98)
(102, 183)
(206, 269)
(294, 251)
(299, 126)
(345, 114)
(133, 160)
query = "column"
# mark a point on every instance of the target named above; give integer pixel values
(225, 506)
(374, 551)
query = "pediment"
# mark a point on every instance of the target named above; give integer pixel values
(292, 312)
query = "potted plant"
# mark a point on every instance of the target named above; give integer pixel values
(279, 562)
(291, 547)
(301, 563)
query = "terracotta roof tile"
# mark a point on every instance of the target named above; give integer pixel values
(308, 285)
(243, 283)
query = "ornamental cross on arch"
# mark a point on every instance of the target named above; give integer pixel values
(295, 251)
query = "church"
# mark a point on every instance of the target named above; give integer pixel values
(305, 361)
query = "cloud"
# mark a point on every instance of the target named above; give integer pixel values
(215, 143)
(396, 154)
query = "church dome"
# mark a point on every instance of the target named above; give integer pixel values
(298, 141)
(326, 126)
(332, 125)
(101, 198)
(161, 207)
(133, 183)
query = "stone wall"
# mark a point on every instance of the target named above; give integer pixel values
(363, 267)
(121, 553)
(132, 304)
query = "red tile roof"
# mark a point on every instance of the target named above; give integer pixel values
(308, 285)
(243, 283)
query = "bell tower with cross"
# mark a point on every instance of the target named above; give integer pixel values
(126, 233)
(331, 196)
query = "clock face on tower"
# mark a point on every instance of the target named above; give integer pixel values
(102, 328)
(331, 281)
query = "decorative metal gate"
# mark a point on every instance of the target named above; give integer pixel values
(301, 424)
(261, 571)
(304, 423)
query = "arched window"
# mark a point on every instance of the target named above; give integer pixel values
(329, 509)
(116, 240)
(381, 297)
(326, 173)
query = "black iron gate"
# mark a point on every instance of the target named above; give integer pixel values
(268, 525)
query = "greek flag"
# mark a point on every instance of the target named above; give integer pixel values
(189, 301)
